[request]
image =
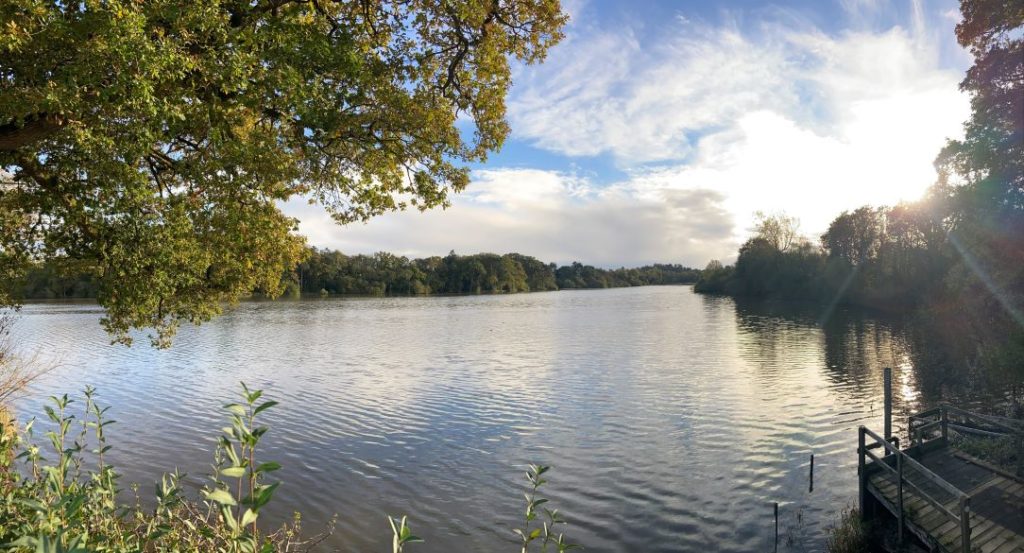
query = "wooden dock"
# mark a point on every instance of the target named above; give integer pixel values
(943, 498)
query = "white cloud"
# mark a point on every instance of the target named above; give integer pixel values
(606, 94)
(781, 119)
(709, 124)
(553, 216)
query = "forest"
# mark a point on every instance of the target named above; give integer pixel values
(327, 272)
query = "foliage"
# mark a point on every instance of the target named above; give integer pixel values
(1004, 451)
(149, 143)
(327, 272)
(848, 534)
(69, 502)
(780, 230)
(402, 534)
(545, 535)
(954, 258)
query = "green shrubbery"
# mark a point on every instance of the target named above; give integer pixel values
(1006, 452)
(64, 496)
(848, 534)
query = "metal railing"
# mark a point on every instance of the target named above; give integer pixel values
(896, 462)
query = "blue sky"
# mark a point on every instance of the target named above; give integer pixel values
(655, 130)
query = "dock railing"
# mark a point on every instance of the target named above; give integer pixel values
(924, 425)
(897, 463)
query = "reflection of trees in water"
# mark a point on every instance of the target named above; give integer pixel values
(856, 345)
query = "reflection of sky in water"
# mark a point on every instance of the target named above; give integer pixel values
(672, 420)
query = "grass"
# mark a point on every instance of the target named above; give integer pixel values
(1004, 452)
(848, 534)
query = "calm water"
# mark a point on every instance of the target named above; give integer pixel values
(672, 420)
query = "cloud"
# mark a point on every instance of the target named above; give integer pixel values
(605, 93)
(553, 216)
(708, 123)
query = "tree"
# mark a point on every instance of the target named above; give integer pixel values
(780, 230)
(855, 236)
(991, 155)
(152, 141)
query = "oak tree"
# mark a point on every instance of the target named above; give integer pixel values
(151, 143)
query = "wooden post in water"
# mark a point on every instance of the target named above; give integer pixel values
(862, 475)
(887, 375)
(810, 484)
(776, 527)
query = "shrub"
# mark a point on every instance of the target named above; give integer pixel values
(848, 534)
(68, 503)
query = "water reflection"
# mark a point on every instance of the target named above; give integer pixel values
(673, 420)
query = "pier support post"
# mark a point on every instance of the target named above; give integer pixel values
(899, 496)
(965, 524)
(862, 475)
(887, 375)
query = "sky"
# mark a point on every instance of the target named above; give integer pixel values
(655, 130)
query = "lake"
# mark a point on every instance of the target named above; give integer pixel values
(673, 421)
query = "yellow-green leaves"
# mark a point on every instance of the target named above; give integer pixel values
(152, 141)
(221, 496)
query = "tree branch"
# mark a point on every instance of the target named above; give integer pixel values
(31, 129)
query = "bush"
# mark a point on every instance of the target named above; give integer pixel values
(848, 534)
(69, 503)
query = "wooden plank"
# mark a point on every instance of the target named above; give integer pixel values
(914, 529)
(985, 465)
(1018, 543)
(1009, 547)
(932, 503)
(984, 533)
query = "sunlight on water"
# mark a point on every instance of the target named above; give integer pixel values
(672, 420)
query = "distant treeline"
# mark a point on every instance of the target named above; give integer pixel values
(334, 273)
(890, 258)
(328, 272)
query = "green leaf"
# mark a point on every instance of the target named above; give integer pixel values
(233, 472)
(221, 496)
(264, 494)
(269, 466)
(249, 517)
(264, 406)
(236, 409)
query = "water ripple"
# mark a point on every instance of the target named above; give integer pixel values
(674, 421)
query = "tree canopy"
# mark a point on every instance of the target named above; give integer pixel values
(327, 273)
(957, 256)
(150, 143)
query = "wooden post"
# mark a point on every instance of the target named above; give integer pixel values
(944, 416)
(887, 375)
(776, 527)
(810, 484)
(899, 495)
(862, 475)
(965, 524)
